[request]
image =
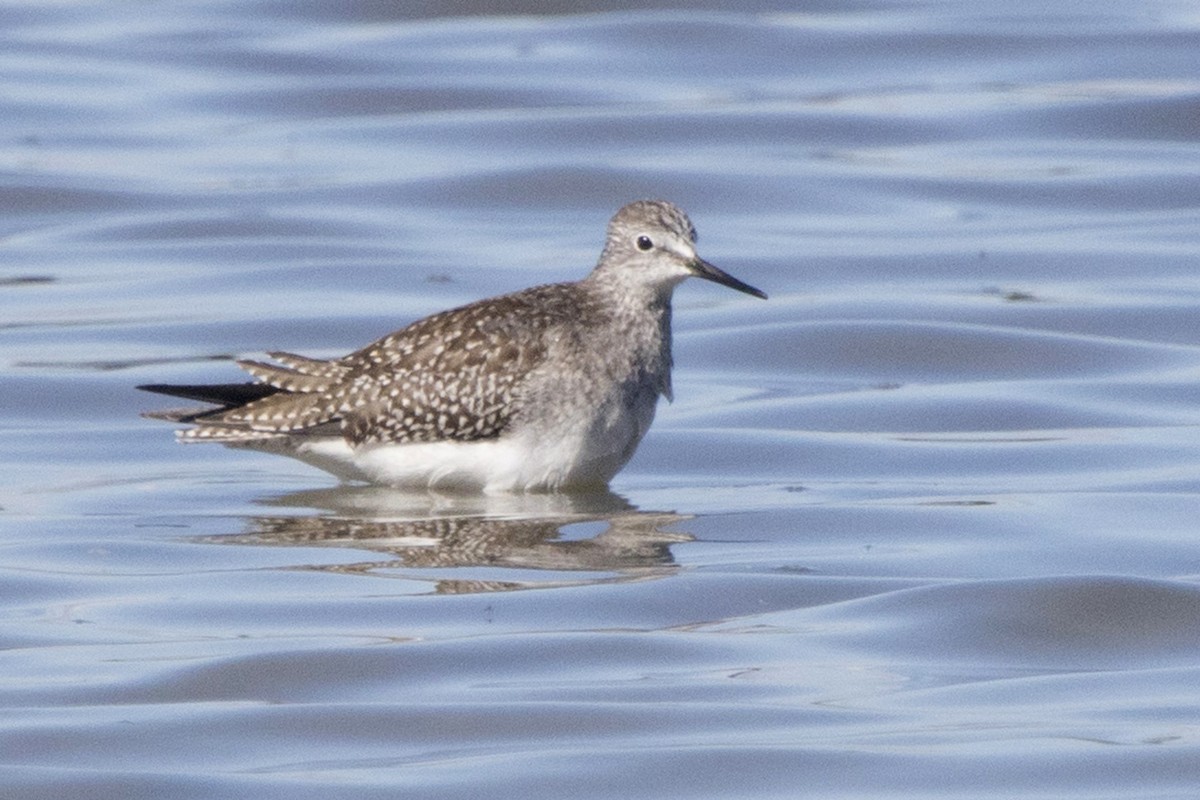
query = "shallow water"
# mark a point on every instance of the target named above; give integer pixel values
(922, 524)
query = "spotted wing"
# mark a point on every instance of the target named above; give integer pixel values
(457, 376)
(454, 376)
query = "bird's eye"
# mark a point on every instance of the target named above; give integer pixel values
(644, 243)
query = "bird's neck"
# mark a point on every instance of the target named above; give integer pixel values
(631, 297)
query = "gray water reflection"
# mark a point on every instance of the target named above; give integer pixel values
(598, 533)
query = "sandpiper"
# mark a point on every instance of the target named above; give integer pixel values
(546, 389)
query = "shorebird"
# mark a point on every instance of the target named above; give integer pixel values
(546, 389)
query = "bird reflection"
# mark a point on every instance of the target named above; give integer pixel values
(600, 534)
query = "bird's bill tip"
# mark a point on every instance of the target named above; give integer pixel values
(703, 269)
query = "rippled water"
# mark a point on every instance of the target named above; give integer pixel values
(924, 524)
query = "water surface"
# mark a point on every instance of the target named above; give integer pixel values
(922, 524)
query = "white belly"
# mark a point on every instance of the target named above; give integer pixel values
(527, 460)
(545, 457)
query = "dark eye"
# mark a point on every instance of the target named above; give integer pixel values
(644, 243)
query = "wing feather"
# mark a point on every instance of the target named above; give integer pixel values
(458, 375)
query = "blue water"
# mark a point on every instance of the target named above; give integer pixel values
(924, 524)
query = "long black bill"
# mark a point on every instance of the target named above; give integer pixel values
(703, 269)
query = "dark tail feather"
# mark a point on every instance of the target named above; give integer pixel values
(229, 395)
